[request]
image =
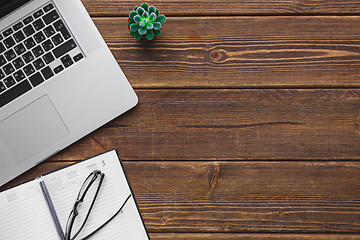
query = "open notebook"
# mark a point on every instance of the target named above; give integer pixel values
(24, 213)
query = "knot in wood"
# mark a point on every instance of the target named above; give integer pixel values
(218, 55)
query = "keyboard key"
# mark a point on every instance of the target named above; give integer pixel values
(58, 69)
(38, 64)
(14, 92)
(49, 31)
(36, 79)
(19, 36)
(47, 45)
(64, 48)
(19, 49)
(18, 26)
(7, 32)
(2, 60)
(9, 42)
(2, 87)
(29, 30)
(19, 76)
(65, 33)
(9, 81)
(8, 69)
(38, 24)
(48, 7)
(57, 39)
(66, 60)
(2, 74)
(29, 69)
(39, 37)
(29, 43)
(10, 55)
(47, 72)
(50, 17)
(48, 58)
(37, 51)
(59, 24)
(28, 57)
(28, 20)
(2, 47)
(69, 63)
(38, 13)
(18, 63)
(78, 57)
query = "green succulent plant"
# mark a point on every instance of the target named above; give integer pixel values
(145, 22)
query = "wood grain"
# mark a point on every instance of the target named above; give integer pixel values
(231, 125)
(240, 236)
(235, 136)
(240, 52)
(228, 7)
(244, 197)
(248, 197)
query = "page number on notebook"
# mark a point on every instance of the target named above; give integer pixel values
(103, 163)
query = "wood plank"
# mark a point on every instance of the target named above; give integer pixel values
(241, 236)
(229, 7)
(246, 197)
(231, 125)
(240, 52)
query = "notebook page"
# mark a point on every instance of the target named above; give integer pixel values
(24, 214)
(64, 186)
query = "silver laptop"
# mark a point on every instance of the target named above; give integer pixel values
(58, 81)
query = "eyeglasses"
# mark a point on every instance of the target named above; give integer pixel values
(84, 203)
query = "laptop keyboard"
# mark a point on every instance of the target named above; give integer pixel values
(34, 50)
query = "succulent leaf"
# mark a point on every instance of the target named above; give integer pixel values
(145, 6)
(130, 22)
(140, 11)
(141, 24)
(150, 26)
(149, 35)
(157, 25)
(157, 32)
(157, 12)
(137, 19)
(137, 36)
(145, 14)
(132, 14)
(152, 9)
(135, 8)
(134, 27)
(143, 30)
(152, 16)
(160, 18)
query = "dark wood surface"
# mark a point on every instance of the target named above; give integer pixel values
(248, 122)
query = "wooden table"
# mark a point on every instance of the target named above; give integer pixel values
(248, 125)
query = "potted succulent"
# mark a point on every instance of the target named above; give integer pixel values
(145, 22)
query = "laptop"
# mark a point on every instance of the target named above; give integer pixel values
(58, 81)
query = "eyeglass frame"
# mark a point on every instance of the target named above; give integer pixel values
(74, 212)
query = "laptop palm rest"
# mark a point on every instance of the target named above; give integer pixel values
(31, 130)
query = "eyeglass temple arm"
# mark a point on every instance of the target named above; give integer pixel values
(86, 237)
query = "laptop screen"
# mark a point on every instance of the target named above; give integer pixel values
(7, 6)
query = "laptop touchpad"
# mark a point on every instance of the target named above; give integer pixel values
(32, 129)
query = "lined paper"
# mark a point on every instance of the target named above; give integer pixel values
(63, 186)
(24, 214)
